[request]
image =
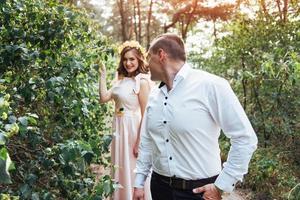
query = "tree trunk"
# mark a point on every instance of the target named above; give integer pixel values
(183, 36)
(186, 28)
(244, 83)
(140, 21)
(285, 10)
(279, 9)
(262, 113)
(123, 20)
(188, 20)
(149, 23)
(264, 8)
(215, 29)
(135, 20)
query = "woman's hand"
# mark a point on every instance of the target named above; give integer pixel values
(105, 95)
(136, 149)
(138, 194)
(102, 68)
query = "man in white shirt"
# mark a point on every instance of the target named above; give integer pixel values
(181, 127)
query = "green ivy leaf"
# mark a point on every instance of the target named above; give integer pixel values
(31, 179)
(23, 121)
(25, 191)
(107, 187)
(47, 196)
(32, 121)
(2, 138)
(5, 163)
(35, 196)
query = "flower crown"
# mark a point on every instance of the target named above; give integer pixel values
(132, 44)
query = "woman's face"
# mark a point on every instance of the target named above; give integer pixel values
(130, 62)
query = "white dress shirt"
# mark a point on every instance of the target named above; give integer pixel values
(181, 127)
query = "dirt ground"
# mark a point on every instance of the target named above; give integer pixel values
(237, 195)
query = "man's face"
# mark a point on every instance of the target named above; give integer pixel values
(154, 66)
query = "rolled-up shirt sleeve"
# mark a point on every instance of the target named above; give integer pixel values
(227, 111)
(144, 160)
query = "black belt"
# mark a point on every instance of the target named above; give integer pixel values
(182, 184)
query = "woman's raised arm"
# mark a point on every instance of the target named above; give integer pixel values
(105, 95)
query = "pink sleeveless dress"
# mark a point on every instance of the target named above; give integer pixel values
(125, 129)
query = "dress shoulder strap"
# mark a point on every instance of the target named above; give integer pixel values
(138, 79)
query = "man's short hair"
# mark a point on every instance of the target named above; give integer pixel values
(172, 44)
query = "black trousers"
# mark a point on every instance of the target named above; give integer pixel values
(162, 191)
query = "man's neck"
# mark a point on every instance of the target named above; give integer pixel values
(171, 71)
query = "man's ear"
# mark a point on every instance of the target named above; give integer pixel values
(162, 54)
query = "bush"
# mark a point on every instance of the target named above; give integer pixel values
(272, 174)
(47, 53)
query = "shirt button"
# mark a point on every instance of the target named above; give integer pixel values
(165, 103)
(165, 122)
(167, 140)
(166, 97)
(170, 158)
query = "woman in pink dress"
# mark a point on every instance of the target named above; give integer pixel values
(130, 93)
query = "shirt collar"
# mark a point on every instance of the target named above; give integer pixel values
(181, 74)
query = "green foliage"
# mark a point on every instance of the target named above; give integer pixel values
(8, 128)
(105, 186)
(260, 57)
(294, 194)
(270, 174)
(53, 127)
(5, 163)
(8, 197)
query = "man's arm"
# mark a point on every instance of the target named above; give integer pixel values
(227, 111)
(144, 160)
(143, 98)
